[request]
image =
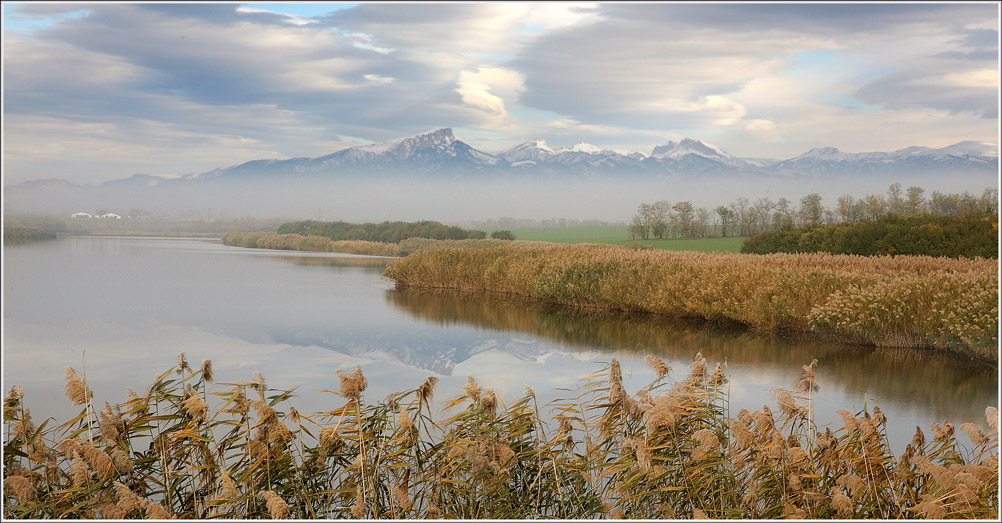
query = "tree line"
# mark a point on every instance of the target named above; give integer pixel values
(742, 217)
(507, 222)
(389, 232)
(969, 235)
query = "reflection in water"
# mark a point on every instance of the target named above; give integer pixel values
(937, 382)
(370, 264)
(127, 306)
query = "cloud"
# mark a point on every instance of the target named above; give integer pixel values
(756, 79)
(475, 88)
(376, 79)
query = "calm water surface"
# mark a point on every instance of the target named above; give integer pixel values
(123, 308)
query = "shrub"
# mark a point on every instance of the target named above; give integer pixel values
(969, 235)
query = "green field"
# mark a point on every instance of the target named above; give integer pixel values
(618, 235)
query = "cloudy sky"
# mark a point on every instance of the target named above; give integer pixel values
(99, 92)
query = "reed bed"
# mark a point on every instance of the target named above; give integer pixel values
(900, 301)
(298, 242)
(190, 448)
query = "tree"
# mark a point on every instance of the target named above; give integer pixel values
(844, 207)
(643, 219)
(636, 228)
(874, 206)
(476, 235)
(915, 203)
(811, 210)
(659, 218)
(895, 203)
(762, 211)
(782, 219)
(702, 222)
(684, 216)
(726, 219)
(502, 235)
(740, 207)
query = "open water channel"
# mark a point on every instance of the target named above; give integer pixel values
(121, 309)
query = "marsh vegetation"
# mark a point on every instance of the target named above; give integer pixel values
(191, 448)
(901, 301)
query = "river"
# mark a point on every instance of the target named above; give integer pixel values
(121, 309)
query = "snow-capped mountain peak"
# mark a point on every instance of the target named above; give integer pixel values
(532, 151)
(418, 141)
(541, 145)
(676, 150)
(582, 147)
(690, 151)
(825, 153)
(971, 148)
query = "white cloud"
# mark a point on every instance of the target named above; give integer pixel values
(766, 129)
(365, 41)
(376, 79)
(292, 19)
(975, 78)
(172, 75)
(476, 88)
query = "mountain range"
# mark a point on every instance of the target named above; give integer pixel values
(437, 158)
(440, 152)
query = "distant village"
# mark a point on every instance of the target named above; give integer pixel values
(135, 214)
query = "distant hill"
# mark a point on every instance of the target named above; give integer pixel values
(685, 169)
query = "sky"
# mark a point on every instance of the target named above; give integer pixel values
(97, 92)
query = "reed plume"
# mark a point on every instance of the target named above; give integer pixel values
(277, 507)
(427, 389)
(352, 384)
(207, 371)
(658, 365)
(494, 460)
(76, 390)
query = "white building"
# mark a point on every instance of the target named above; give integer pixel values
(81, 215)
(111, 216)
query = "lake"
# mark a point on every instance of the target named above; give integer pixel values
(121, 309)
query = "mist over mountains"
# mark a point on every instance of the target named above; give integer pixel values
(434, 175)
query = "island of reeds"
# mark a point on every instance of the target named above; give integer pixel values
(14, 234)
(191, 448)
(317, 243)
(889, 301)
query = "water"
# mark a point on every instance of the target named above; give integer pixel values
(121, 309)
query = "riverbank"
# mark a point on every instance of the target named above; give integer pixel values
(13, 235)
(903, 301)
(666, 450)
(298, 242)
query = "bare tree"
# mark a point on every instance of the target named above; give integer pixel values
(740, 207)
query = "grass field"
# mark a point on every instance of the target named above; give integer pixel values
(618, 235)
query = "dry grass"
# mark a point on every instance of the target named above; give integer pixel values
(910, 301)
(297, 242)
(668, 450)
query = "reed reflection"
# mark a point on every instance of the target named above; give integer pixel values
(939, 383)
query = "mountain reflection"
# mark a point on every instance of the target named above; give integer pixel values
(370, 264)
(938, 381)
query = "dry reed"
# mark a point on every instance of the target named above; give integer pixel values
(665, 450)
(900, 301)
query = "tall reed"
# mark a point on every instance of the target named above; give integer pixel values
(191, 448)
(901, 301)
(298, 242)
